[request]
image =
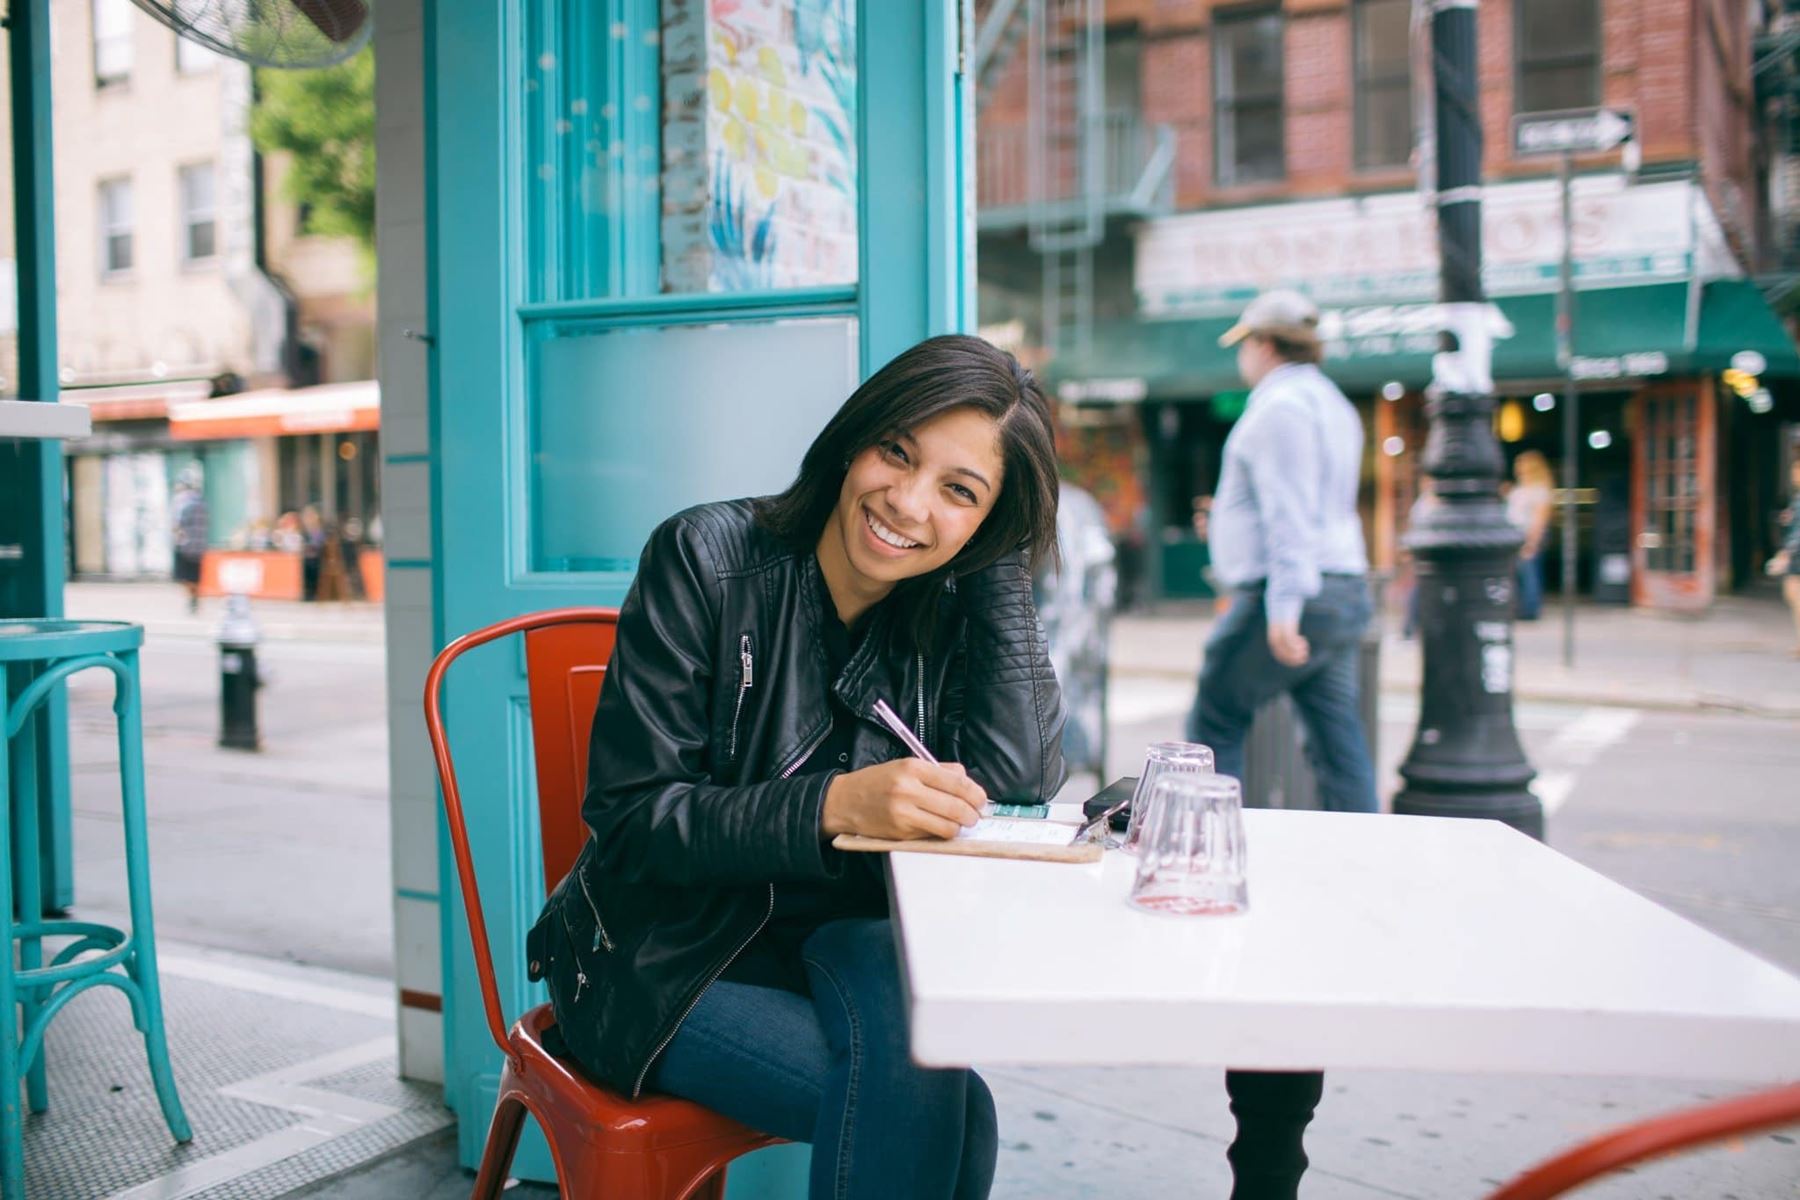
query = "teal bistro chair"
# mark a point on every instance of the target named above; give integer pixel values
(36, 656)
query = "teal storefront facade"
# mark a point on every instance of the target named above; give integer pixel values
(662, 242)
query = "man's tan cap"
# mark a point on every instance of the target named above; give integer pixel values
(1282, 312)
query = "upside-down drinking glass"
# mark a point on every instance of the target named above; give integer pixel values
(1191, 857)
(1181, 758)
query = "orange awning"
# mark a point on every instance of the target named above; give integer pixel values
(137, 401)
(275, 412)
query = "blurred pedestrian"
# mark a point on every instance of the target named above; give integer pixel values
(312, 546)
(192, 532)
(1529, 504)
(1075, 600)
(1286, 541)
(1786, 562)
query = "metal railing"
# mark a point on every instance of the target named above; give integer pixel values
(1136, 174)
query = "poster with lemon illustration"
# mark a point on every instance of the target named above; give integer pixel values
(759, 144)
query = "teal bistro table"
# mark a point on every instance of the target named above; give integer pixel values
(36, 655)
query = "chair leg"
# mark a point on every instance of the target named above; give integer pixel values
(12, 1123)
(497, 1155)
(137, 873)
(27, 887)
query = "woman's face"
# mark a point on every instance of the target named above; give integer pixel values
(911, 502)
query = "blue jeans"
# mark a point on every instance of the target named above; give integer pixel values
(1530, 575)
(833, 1070)
(1240, 675)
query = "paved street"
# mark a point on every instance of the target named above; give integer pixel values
(284, 855)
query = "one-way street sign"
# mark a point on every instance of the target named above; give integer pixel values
(1571, 131)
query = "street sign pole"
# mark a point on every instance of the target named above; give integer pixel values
(1571, 422)
(1565, 134)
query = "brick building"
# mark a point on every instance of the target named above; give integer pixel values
(1181, 155)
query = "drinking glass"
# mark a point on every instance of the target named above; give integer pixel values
(1191, 857)
(1181, 758)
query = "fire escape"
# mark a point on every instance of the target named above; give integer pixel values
(1072, 162)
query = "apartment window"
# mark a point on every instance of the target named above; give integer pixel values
(112, 42)
(115, 226)
(1247, 96)
(1382, 37)
(199, 224)
(1558, 49)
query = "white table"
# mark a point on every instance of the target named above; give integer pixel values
(35, 419)
(1395, 942)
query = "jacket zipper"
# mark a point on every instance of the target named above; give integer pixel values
(748, 665)
(638, 1087)
(600, 935)
(806, 753)
(921, 729)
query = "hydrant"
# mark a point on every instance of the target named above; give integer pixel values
(238, 636)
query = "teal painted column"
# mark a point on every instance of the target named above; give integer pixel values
(917, 199)
(31, 477)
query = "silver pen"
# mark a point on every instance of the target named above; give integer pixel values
(887, 716)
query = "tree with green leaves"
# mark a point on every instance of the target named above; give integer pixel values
(325, 119)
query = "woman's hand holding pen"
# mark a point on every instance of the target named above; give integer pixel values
(903, 799)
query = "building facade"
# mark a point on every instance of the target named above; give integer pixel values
(186, 292)
(1294, 128)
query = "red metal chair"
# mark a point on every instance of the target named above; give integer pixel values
(1653, 1138)
(603, 1144)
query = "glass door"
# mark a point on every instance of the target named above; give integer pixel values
(1674, 452)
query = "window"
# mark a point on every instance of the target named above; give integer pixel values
(1247, 96)
(115, 226)
(199, 228)
(1384, 118)
(112, 42)
(191, 57)
(1558, 48)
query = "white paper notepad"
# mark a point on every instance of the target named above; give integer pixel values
(1031, 831)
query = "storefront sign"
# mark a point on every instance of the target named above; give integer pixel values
(1621, 366)
(1369, 249)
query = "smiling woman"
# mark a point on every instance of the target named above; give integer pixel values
(710, 942)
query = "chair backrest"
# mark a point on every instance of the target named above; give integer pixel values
(565, 664)
(566, 653)
(1654, 1138)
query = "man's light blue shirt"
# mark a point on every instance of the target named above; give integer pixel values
(1285, 509)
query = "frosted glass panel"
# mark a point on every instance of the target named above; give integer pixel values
(631, 425)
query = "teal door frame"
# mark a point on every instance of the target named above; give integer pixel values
(915, 279)
(32, 496)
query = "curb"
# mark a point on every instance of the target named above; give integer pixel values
(1709, 704)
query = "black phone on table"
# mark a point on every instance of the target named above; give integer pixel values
(1119, 789)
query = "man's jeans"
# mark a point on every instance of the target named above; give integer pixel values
(1240, 675)
(833, 1070)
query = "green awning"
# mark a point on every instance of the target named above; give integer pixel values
(1620, 333)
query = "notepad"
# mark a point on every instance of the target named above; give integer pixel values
(991, 837)
(1016, 829)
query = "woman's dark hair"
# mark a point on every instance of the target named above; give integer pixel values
(937, 376)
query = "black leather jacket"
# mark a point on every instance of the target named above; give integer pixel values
(715, 697)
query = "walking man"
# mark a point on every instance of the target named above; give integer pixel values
(1286, 540)
(192, 533)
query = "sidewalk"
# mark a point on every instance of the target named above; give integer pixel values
(1734, 658)
(161, 608)
(299, 837)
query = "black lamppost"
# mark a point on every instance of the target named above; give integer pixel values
(1465, 760)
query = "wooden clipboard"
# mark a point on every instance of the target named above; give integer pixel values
(1086, 852)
